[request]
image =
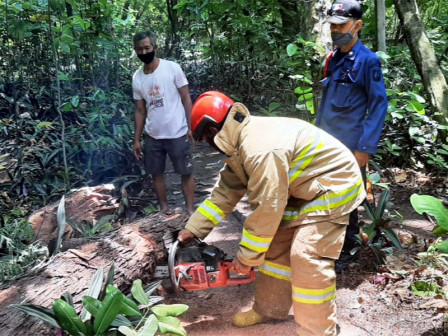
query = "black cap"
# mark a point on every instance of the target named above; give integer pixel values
(343, 10)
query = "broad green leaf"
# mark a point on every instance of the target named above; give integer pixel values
(108, 311)
(75, 101)
(304, 97)
(42, 313)
(171, 325)
(127, 331)
(68, 318)
(138, 293)
(91, 305)
(419, 108)
(432, 206)
(442, 247)
(43, 124)
(291, 49)
(150, 327)
(129, 307)
(120, 320)
(302, 90)
(169, 310)
(423, 288)
(439, 232)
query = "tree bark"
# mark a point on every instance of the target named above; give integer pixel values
(313, 19)
(381, 25)
(423, 54)
(134, 250)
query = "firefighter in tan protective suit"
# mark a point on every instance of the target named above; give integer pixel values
(302, 185)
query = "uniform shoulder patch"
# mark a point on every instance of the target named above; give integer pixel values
(377, 75)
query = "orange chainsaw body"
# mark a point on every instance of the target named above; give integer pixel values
(194, 276)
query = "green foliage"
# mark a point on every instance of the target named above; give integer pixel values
(113, 312)
(436, 256)
(409, 123)
(424, 288)
(87, 229)
(18, 252)
(307, 56)
(433, 207)
(376, 235)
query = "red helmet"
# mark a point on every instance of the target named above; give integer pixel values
(210, 107)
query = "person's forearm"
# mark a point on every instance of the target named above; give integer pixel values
(139, 124)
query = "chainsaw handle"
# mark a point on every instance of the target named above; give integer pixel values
(242, 279)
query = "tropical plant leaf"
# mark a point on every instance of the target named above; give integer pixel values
(442, 247)
(42, 313)
(138, 293)
(129, 307)
(432, 206)
(61, 223)
(102, 223)
(67, 297)
(392, 236)
(149, 289)
(121, 320)
(169, 310)
(108, 311)
(93, 291)
(150, 327)
(171, 325)
(370, 211)
(439, 232)
(91, 305)
(110, 275)
(127, 331)
(382, 203)
(68, 319)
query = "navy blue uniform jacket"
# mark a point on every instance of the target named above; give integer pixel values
(354, 103)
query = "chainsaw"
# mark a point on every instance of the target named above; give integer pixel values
(198, 266)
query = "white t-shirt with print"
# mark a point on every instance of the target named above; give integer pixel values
(165, 118)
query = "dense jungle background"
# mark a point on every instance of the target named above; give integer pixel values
(66, 107)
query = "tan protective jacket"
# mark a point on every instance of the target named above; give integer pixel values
(294, 173)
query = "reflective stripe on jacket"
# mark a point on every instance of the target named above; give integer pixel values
(276, 160)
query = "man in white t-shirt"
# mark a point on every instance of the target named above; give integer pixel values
(163, 109)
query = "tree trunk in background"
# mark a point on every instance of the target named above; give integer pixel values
(423, 54)
(314, 27)
(173, 38)
(381, 25)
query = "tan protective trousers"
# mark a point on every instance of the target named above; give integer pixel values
(299, 271)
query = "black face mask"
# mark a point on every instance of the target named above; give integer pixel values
(148, 57)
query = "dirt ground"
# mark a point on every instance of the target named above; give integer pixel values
(370, 302)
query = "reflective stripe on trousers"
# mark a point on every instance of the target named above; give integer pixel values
(299, 271)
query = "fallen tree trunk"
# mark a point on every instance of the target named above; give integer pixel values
(134, 250)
